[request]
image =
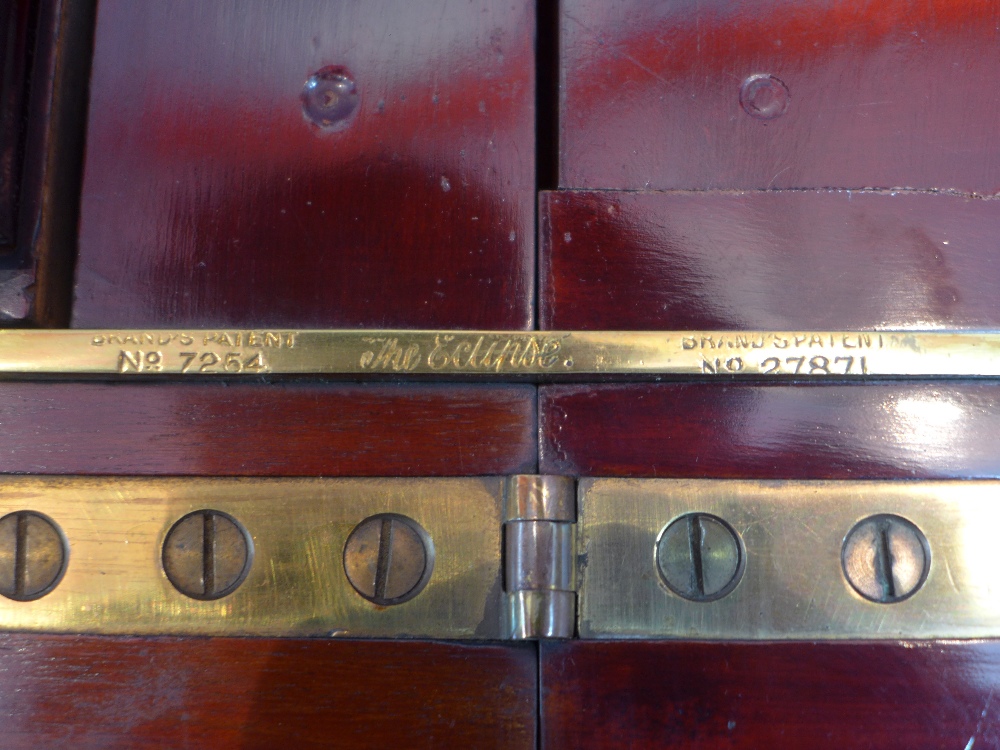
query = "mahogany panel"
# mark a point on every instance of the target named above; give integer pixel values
(768, 260)
(791, 695)
(887, 430)
(254, 429)
(211, 199)
(100, 692)
(868, 94)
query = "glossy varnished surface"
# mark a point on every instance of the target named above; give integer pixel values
(646, 695)
(872, 431)
(885, 94)
(210, 199)
(747, 260)
(62, 691)
(257, 430)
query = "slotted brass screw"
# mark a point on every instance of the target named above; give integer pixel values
(207, 554)
(388, 558)
(886, 558)
(33, 555)
(700, 557)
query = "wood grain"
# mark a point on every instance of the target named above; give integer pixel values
(791, 695)
(94, 692)
(254, 429)
(209, 199)
(883, 95)
(768, 260)
(894, 430)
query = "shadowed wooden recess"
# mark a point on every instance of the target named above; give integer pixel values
(44, 69)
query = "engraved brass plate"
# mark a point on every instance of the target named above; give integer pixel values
(114, 580)
(489, 354)
(793, 585)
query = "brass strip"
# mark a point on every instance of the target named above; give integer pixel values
(793, 585)
(489, 354)
(114, 580)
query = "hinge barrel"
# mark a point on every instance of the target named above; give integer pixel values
(540, 556)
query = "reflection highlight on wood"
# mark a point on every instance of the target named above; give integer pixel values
(896, 430)
(297, 429)
(750, 696)
(210, 198)
(247, 693)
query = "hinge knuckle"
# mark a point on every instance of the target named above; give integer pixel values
(540, 556)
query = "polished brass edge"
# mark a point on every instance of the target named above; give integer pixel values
(491, 355)
(540, 556)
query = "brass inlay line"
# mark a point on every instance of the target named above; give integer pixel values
(493, 354)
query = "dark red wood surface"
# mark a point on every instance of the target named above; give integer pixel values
(881, 94)
(92, 692)
(209, 199)
(253, 429)
(808, 431)
(768, 260)
(754, 696)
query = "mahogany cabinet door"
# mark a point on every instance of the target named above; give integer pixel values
(773, 94)
(291, 164)
(815, 165)
(311, 164)
(733, 164)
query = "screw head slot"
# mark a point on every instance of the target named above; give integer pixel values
(700, 557)
(33, 555)
(207, 554)
(886, 558)
(388, 558)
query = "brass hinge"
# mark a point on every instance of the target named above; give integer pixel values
(500, 557)
(771, 560)
(540, 556)
(373, 558)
